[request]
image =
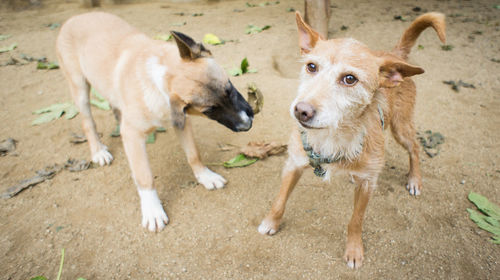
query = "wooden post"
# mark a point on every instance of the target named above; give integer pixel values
(317, 14)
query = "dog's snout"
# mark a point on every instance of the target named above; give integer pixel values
(304, 111)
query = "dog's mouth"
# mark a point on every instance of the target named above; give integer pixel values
(308, 126)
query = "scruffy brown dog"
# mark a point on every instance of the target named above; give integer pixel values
(347, 95)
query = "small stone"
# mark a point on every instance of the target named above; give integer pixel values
(462, 182)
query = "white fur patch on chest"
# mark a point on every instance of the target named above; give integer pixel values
(332, 143)
(156, 97)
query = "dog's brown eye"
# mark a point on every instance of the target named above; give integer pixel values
(311, 68)
(349, 80)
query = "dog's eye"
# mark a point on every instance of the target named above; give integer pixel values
(349, 80)
(311, 68)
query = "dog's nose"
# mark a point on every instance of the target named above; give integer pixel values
(304, 111)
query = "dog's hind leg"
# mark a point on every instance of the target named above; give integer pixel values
(80, 88)
(404, 133)
(205, 176)
(294, 166)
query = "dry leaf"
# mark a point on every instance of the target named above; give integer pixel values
(255, 98)
(262, 150)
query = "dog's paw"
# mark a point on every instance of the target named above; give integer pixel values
(354, 255)
(268, 227)
(102, 157)
(414, 186)
(154, 217)
(210, 179)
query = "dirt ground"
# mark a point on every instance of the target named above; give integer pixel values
(95, 214)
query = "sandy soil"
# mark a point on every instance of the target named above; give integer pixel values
(95, 214)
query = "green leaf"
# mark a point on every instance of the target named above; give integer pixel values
(265, 27)
(81, 278)
(9, 48)
(70, 112)
(55, 111)
(235, 72)
(485, 205)
(163, 37)
(100, 102)
(47, 65)
(151, 138)
(244, 65)
(447, 47)
(53, 26)
(239, 161)
(161, 129)
(116, 132)
(39, 278)
(103, 105)
(211, 39)
(481, 222)
(3, 37)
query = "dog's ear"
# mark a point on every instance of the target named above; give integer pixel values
(177, 112)
(393, 70)
(307, 36)
(188, 48)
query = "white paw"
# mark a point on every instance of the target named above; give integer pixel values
(102, 157)
(210, 179)
(154, 217)
(267, 227)
(413, 187)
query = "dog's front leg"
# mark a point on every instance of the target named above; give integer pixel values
(354, 249)
(294, 166)
(205, 176)
(134, 141)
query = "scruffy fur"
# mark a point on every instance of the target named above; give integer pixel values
(344, 119)
(147, 81)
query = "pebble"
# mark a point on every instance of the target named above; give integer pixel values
(462, 182)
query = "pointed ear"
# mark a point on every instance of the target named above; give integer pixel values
(177, 112)
(393, 70)
(307, 36)
(188, 48)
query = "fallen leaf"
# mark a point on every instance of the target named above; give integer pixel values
(211, 39)
(163, 37)
(6, 36)
(53, 26)
(116, 132)
(489, 222)
(47, 65)
(6, 146)
(447, 47)
(178, 23)
(242, 69)
(55, 111)
(253, 29)
(255, 98)
(47, 173)
(430, 142)
(9, 48)
(77, 138)
(262, 150)
(239, 161)
(100, 102)
(151, 138)
(401, 18)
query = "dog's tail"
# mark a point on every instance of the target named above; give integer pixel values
(434, 20)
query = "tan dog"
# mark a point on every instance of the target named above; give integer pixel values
(147, 81)
(347, 95)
